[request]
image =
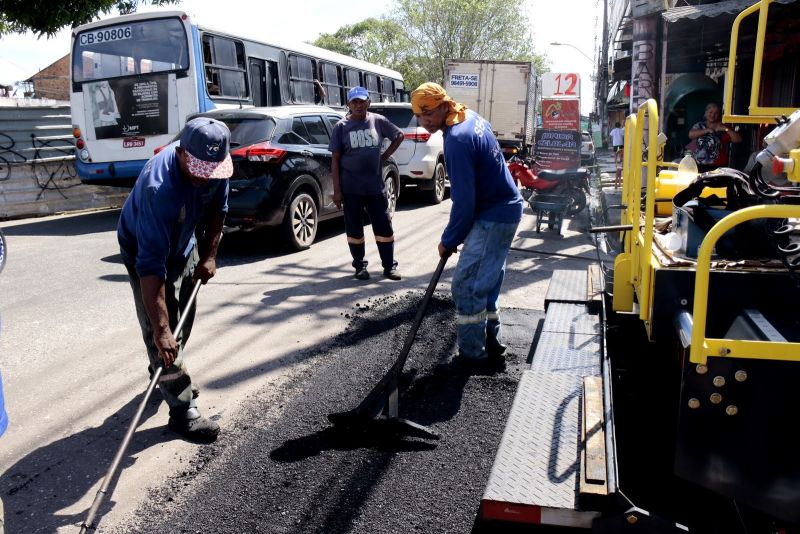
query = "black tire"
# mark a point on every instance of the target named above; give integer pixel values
(301, 221)
(577, 201)
(390, 190)
(436, 195)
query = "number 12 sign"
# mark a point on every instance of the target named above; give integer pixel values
(555, 84)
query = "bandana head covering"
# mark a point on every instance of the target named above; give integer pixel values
(431, 95)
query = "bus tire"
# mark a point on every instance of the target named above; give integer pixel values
(301, 221)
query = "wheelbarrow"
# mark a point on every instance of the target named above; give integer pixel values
(549, 209)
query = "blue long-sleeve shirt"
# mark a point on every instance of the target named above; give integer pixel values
(481, 187)
(156, 229)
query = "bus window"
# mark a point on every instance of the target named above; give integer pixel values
(352, 78)
(387, 91)
(372, 84)
(225, 72)
(130, 48)
(301, 79)
(332, 85)
(400, 94)
(258, 82)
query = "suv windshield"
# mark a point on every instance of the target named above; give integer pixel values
(400, 117)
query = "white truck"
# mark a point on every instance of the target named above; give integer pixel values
(502, 92)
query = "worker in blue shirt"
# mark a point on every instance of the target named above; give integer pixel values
(486, 210)
(181, 196)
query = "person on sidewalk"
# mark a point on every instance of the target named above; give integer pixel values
(180, 197)
(710, 139)
(617, 136)
(486, 210)
(358, 182)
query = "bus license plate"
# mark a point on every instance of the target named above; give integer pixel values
(133, 142)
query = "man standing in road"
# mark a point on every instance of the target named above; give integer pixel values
(486, 211)
(182, 191)
(357, 179)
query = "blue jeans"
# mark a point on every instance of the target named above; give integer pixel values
(476, 284)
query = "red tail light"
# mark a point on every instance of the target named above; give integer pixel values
(159, 149)
(260, 152)
(418, 137)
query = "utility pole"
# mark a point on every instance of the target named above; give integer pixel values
(602, 80)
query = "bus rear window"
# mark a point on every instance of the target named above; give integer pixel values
(246, 132)
(136, 47)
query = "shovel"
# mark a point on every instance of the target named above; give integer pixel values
(380, 407)
(101, 493)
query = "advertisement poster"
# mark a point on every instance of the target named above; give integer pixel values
(561, 114)
(558, 149)
(129, 107)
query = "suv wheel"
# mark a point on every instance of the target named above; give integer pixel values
(300, 221)
(390, 189)
(436, 195)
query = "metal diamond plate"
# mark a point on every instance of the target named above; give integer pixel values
(566, 286)
(570, 319)
(537, 461)
(573, 354)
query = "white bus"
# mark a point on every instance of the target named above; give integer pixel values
(136, 78)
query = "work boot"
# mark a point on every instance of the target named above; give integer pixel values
(494, 347)
(194, 426)
(362, 273)
(485, 364)
(392, 274)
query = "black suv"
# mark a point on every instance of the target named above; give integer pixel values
(282, 170)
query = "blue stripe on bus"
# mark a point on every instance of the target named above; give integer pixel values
(203, 101)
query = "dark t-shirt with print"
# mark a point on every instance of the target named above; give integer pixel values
(360, 145)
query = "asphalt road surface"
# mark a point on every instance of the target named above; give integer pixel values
(281, 340)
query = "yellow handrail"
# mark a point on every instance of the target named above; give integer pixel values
(632, 269)
(756, 113)
(703, 347)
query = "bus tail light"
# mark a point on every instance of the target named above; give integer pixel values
(80, 144)
(260, 152)
(76, 132)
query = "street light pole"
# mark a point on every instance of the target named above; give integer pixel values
(584, 54)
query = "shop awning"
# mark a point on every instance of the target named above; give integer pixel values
(711, 10)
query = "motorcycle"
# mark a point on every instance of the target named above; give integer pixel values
(570, 183)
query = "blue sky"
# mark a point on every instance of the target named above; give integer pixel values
(566, 21)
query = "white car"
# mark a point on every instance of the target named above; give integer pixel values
(420, 157)
(587, 150)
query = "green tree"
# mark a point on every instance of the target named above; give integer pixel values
(419, 36)
(439, 30)
(380, 41)
(44, 17)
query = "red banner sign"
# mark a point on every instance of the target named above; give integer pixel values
(561, 114)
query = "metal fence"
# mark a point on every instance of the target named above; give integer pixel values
(37, 166)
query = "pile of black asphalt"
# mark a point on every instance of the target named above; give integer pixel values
(281, 467)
